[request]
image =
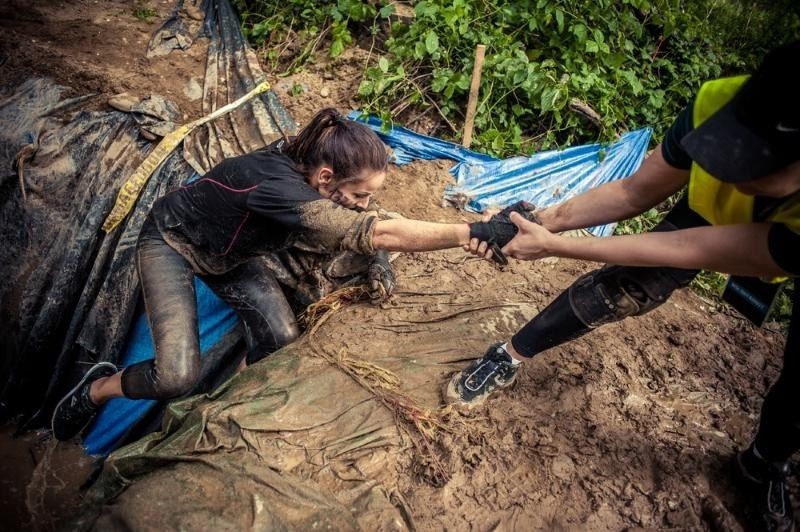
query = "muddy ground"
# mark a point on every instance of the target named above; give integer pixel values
(629, 427)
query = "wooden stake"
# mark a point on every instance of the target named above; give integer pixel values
(472, 103)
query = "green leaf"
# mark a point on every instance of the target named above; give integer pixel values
(579, 31)
(549, 98)
(383, 64)
(426, 9)
(439, 82)
(633, 81)
(419, 50)
(337, 47)
(366, 88)
(431, 42)
(497, 144)
(560, 20)
(591, 47)
(387, 11)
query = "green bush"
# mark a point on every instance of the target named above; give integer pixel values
(635, 62)
(270, 25)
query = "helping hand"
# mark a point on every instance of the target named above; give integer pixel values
(532, 241)
(475, 246)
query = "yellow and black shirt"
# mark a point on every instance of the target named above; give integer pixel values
(720, 203)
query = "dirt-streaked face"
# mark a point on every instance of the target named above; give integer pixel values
(351, 194)
(780, 184)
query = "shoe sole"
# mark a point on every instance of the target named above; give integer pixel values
(77, 387)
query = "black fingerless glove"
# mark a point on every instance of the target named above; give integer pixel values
(500, 230)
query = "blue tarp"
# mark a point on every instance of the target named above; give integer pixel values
(215, 319)
(543, 179)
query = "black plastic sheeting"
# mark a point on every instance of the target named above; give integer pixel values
(70, 292)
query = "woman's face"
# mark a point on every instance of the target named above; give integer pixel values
(351, 194)
(782, 183)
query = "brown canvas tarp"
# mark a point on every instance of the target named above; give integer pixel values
(320, 435)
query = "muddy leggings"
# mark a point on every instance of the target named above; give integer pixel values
(167, 281)
(613, 293)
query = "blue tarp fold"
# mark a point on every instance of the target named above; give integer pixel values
(544, 179)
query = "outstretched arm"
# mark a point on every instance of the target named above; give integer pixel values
(651, 184)
(416, 235)
(740, 249)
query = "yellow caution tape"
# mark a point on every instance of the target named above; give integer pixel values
(131, 189)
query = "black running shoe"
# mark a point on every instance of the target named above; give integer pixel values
(76, 409)
(473, 385)
(766, 484)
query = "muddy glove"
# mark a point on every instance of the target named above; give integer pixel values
(499, 230)
(380, 277)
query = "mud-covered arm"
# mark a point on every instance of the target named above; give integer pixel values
(741, 249)
(329, 226)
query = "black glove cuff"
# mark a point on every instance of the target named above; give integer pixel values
(482, 231)
(494, 231)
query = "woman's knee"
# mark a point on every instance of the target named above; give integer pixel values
(150, 380)
(286, 333)
(276, 337)
(176, 381)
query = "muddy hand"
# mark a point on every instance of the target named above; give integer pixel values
(380, 277)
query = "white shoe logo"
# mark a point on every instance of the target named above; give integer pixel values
(786, 129)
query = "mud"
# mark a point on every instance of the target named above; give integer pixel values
(97, 47)
(629, 427)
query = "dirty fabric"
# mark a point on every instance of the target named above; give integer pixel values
(70, 291)
(290, 443)
(317, 435)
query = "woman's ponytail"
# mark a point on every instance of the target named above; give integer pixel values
(349, 147)
(300, 147)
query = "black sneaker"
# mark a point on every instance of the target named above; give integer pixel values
(473, 385)
(76, 409)
(766, 482)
